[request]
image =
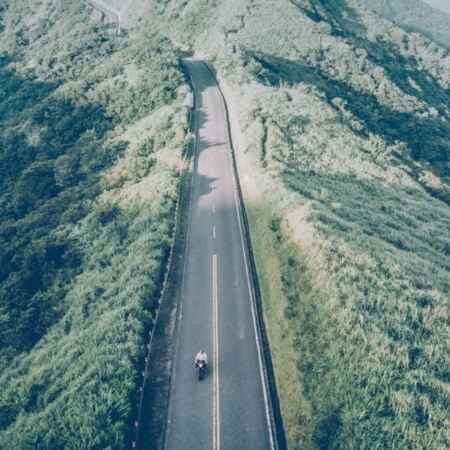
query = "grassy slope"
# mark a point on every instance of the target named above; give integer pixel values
(346, 126)
(93, 129)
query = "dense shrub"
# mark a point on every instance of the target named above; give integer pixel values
(81, 249)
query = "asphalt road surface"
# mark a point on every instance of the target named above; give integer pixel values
(228, 408)
(110, 16)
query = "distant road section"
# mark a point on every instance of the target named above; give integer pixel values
(110, 15)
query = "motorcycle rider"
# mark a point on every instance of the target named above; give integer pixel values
(200, 356)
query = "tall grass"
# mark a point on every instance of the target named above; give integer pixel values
(354, 273)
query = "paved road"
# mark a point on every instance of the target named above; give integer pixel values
(228, 409)
(110, 15)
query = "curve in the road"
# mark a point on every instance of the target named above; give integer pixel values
(111, 17)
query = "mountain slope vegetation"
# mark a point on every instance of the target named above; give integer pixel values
(415, 16)
(93, 130)
(343, 138)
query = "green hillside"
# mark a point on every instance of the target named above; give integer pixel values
(340, 123)
(343, 150)
(92, 133)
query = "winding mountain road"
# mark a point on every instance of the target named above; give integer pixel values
(229, 408)
(110, 15)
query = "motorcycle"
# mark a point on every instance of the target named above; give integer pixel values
(201, 369)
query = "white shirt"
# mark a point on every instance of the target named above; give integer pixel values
(201, 357)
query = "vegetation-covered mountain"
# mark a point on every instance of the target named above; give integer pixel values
(415, 16)
(344, 140)
(92, 133)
